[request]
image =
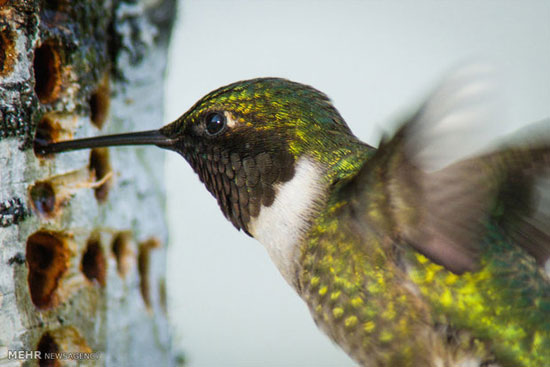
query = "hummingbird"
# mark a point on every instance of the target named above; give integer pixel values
(404, 257)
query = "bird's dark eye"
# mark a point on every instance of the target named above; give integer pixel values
(215, 123)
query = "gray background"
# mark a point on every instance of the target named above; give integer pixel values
(376, 60)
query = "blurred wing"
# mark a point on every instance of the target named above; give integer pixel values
(442, 183)
(525, 197)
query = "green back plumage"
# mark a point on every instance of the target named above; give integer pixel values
(505, 304)
(358, 287)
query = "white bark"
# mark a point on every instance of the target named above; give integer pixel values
(78, 274)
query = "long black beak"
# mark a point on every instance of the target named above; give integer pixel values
(151, 137)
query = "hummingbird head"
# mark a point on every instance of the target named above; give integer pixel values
(245, 140)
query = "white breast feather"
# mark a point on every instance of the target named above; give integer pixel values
(281, 226)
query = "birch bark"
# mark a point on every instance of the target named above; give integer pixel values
(82, 234)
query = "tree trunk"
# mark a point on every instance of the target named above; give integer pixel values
(82, 234)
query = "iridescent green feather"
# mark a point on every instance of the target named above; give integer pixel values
(506, 302)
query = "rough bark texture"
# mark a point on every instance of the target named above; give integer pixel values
(82, 234)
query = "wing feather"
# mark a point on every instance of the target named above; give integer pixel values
(442, 195)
